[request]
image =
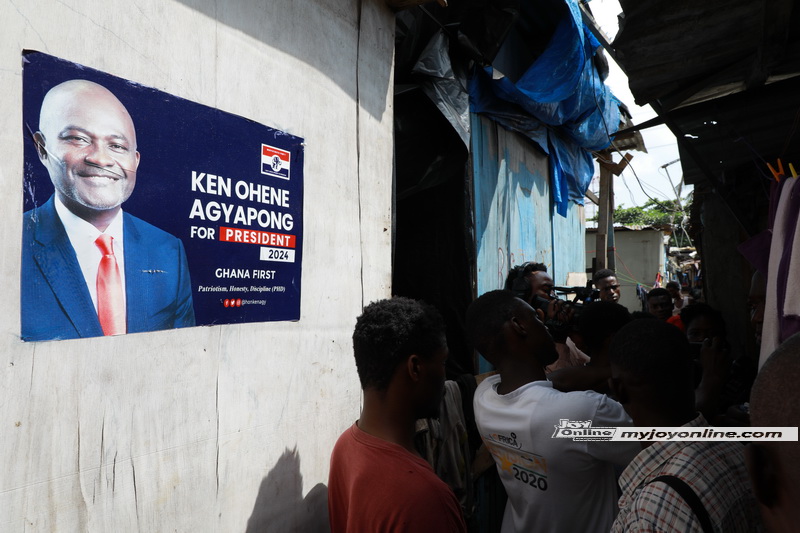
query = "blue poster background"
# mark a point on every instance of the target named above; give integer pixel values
(176, 137)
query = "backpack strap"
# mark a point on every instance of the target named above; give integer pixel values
(691, 498)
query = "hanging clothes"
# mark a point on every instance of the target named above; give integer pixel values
(782, 310)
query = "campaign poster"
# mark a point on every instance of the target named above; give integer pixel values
(144, 211)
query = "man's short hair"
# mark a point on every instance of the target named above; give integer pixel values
(486, 316)
(517, 278)
(654, 353)
(387, 332)
(673, 285)
(603, 273)
(659, 291)
(599, 320)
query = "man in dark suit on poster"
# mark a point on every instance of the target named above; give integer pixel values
(88, 268)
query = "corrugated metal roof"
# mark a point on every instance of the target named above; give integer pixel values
(744, 128)
(725, 77)
(672, 50)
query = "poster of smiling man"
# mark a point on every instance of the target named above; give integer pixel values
(144, 211)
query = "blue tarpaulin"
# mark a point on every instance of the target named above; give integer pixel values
(559, 101)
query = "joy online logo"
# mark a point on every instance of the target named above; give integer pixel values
(581, 430)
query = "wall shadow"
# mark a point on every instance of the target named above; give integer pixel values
(280, 506)
(328, 29)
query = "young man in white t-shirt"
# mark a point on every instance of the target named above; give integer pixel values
(554, 484)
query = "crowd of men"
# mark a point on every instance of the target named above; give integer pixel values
(558, 366)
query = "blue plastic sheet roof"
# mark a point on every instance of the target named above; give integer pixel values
(559, 99)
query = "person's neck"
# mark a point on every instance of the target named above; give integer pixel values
(388, 420)
(598, 358)
(99, 218)
(514, 373)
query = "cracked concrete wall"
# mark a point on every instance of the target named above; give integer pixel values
(222, 428)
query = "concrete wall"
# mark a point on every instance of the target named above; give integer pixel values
(640, 256)
(223, 428)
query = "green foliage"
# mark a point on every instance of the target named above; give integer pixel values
(660, 214)
(652, 213)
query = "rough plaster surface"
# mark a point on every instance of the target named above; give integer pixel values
(223, 428)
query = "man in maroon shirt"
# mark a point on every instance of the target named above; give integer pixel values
(378, 482)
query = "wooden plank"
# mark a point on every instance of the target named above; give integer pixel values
(611, 259)
(603, 217)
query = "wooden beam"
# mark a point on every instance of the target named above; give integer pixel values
(611, 247)
(615, 168)
(657, 121)
(601, 239)
(591, 23)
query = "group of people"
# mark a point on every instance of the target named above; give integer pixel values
(562, 367)
(556, 365)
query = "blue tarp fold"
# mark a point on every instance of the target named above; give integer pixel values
(559, 102)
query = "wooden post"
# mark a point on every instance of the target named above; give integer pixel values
(603, 218)
(604, 246)
(610, 242)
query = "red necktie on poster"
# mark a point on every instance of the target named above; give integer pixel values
(110, 305)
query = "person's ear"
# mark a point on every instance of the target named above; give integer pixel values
(763, 474)
(38, 138)
(136, 163)
(414, 367)
(517, 326)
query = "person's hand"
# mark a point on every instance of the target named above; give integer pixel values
(560, 310)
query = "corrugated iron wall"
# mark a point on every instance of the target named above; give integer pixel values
(514, 218)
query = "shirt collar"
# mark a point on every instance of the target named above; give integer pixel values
(81, 231)
(650, 460)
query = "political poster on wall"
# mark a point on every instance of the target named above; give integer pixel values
(144, 211)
